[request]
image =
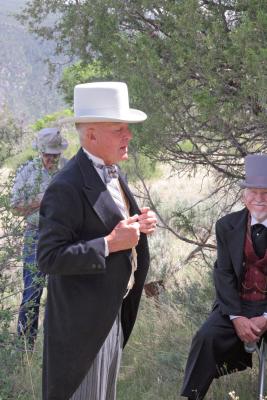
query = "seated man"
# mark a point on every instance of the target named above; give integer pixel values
(239, 315)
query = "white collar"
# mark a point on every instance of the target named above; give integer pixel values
(95, 159)
(254, 221)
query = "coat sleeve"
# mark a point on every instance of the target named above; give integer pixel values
(225, 279)
(60, 250)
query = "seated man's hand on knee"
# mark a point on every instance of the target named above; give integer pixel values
(246, 329)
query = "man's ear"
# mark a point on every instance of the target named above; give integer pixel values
(91, 134)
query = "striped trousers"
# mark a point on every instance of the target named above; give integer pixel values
(100, 381)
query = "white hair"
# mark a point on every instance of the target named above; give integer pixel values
(81, 129)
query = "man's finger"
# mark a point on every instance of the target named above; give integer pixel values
(144, 209)
(149, 215)
(132, 219)
(251, 338)
(135, 225)
(255, 330)
(148, 221)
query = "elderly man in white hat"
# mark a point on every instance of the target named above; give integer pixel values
(239, 315)
(93, 245)
(30, 184)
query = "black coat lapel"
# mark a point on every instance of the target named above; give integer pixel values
(97, 193)
(236, 240)
(134, 209)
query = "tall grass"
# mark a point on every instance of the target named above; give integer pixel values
(154, 359)
(152, 364)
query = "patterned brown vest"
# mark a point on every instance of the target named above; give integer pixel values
(254, 284)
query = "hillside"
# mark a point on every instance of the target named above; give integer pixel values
(24, 76)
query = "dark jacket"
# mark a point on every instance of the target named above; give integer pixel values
(85, 289)
(229, 267)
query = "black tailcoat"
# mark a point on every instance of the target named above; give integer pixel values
(85, 289)
(229, 267)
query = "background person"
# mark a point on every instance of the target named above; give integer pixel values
(239, 315)
(93, 245)
(30, 184)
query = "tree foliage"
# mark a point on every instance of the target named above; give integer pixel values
(197, 67)
(10, 135)
(50, 119)
(81, 73)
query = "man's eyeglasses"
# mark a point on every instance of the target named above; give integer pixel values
(49, 155)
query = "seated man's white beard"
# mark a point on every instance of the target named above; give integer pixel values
(259, 215)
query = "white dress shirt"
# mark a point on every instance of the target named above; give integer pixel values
(97, 160)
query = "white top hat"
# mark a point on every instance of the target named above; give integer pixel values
(104, 102)
(50, 141)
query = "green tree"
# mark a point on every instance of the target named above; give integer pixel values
(81, 73)
(197, 67)
(10, 135)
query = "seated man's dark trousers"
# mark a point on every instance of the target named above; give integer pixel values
(216, 350)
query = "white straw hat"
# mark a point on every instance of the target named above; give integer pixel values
(50, 141)
(104, 102)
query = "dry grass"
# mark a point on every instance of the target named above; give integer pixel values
(153, 361)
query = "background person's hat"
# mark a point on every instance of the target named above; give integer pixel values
(256, 172)
(104, 102)
(50, 141)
